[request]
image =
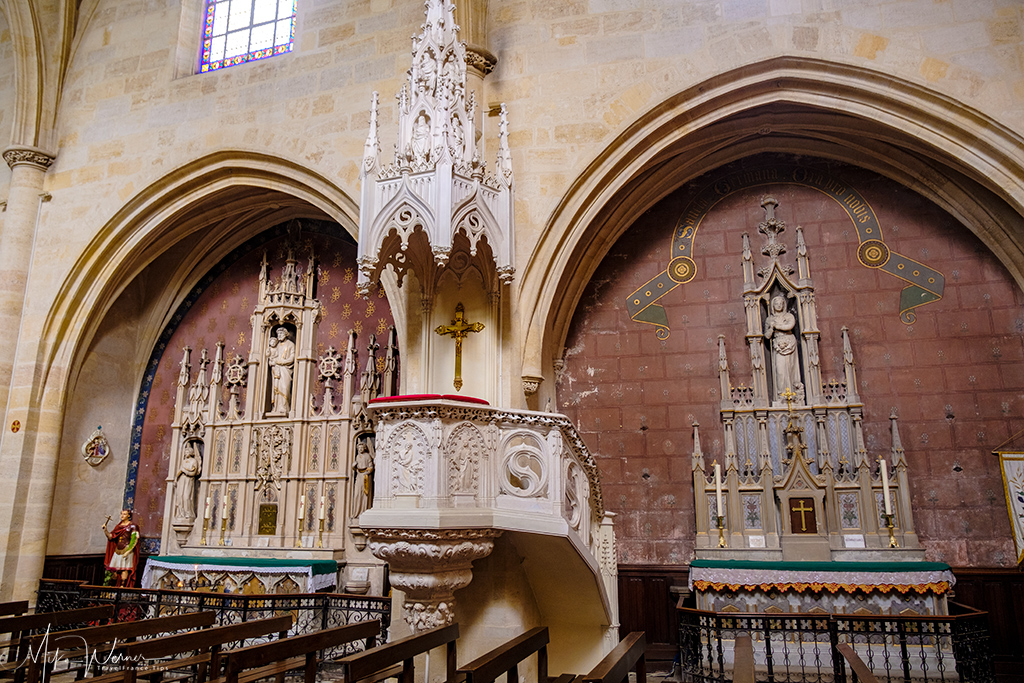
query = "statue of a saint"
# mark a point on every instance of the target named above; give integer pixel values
(421, 139)
(778, 327)
(122, 555)
(185, 484)
(282, 359)
(362, 494)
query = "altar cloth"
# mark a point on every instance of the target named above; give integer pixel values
(849, 577)
(319, 574)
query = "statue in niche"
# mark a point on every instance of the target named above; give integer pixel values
(185, 483)
(282, 359)
(362, 494)
(779, 328)
(421, 139)
(464, 469)
(404, 464)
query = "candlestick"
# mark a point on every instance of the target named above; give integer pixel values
(718, 488)
(301, 520)
(206, 525)
(885, 484)
(320, 538)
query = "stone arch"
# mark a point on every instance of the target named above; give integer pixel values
(191, 218)
(957, 157)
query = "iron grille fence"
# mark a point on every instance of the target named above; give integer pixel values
(310, 611)
(792, 647)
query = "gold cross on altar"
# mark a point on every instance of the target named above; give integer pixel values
(459, 329)
(803, 510)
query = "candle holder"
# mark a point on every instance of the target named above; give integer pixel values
(298, 539)
(720, 520)
(206, 525)
(889, 525)
(320, 538)
(223, 529)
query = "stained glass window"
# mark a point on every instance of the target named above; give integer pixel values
(237, 31)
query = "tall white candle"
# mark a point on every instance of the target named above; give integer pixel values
(224, 511)
(885, 485)
(206, 513)
(718, 489)
(321, 508)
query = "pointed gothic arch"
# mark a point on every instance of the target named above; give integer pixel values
(953, 155)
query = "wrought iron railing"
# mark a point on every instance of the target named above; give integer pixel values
(791, 647)
(310, 611)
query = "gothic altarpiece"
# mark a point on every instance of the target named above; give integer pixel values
(795, 518)
(265, 465)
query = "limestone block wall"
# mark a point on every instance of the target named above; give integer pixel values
(8, 98)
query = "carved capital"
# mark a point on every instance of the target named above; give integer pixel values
(429, 566)
(31, 156)
(531, 384)
(480, 60)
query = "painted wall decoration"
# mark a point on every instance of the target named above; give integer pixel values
(956, 373)
(218, 309)
(925, 284)
(1012, 465)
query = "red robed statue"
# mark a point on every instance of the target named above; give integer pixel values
(122, 556)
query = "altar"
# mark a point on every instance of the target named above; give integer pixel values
(249, 575)
(833, 587)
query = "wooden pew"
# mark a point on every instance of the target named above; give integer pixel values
(296, 652)
(83, 641)
(13, 609)
(627, 655)
(19, 628)
(396, 659)
(201, 650)
(505, 659)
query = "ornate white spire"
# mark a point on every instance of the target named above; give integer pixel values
(437, 184)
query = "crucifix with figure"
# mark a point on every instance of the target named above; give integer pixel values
(459, 328)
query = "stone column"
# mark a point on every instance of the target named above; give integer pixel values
(28, 168)
(471, 16)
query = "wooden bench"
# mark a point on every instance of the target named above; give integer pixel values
(86, 642)
(13, 609)
(505, 659)
(396, 659)
(199, 650)
(628, 655)
(20, 628)
(296, 652)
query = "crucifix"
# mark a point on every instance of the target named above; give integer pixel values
(799, 505)
(459, 329)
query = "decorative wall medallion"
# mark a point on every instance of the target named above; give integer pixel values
(95, 449)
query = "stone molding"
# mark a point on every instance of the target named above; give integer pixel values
(18, 155)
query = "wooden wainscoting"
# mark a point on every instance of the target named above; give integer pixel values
(647, 603)
(1000, 592)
